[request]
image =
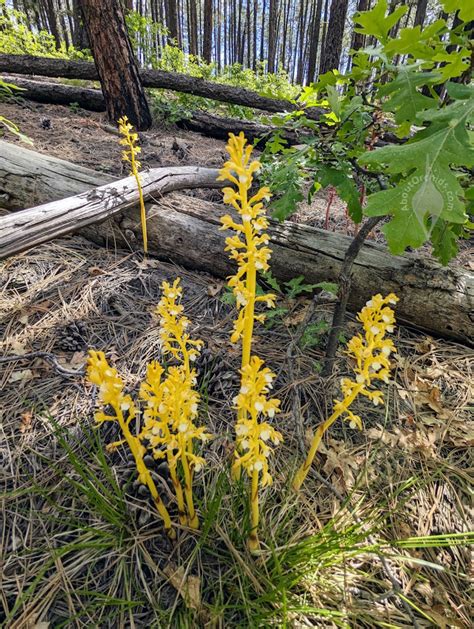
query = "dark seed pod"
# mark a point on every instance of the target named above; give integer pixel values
(149, 460)
(143, 491)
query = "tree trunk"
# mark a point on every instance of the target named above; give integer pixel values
(420, 14)
(115, 63)
(314, 41)
(324, 33)
(358, 40)
(185, 230)
(272, 36)
(44, 66)
(52, 21)
(172, 21)
(27, 228)
(207, 35)
(79, 34)
(262, 31)
(192, 27)
(333, 45)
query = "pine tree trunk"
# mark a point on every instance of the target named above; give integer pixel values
(272, 36)
(53, 25)
(262, 32)
(333, 45)
(207, 35)
(118, 72)
(172, 21)
(358, 40)
(192, 27)
(420, 14)
(314, 42)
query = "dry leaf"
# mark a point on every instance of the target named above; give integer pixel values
(215, 288)
(26, 421)
(23, 319)
(18, 348)
(296, 317)
(189, 587)
(148, 263)
(425, 345)
(21, 376)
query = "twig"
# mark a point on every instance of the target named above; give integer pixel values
(397, 588)
(344, 292)
(49, 358)
(345, 277)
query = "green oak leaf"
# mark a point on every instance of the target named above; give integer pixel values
(428, 189)
(415, 42)
(405, 101)
(465, 7)
(376, 23)
(453, 64)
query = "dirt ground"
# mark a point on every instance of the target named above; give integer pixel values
(408, 470)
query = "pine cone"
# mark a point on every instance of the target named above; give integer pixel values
(72, 338)
(214, 376)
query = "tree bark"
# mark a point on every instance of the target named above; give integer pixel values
(207, 35)
(200, 122)
(358, 40)
(333, 45)
(45, 66)
(435, 298)
(172, 21)
(272, 35)
(22, 230)
(115, 63)
(59, 94)
(420, 14)
(314, 41)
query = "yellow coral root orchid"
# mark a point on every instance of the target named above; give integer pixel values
(111, 394)
(248, 247)
(254, 437)
(172, 402)
(130, 140)
(371, 354)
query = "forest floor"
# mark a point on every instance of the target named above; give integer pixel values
(382, 518)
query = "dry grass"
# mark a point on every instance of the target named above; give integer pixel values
(76, 550)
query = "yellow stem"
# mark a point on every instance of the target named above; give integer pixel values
(302, 473)
(142, 202)
(134, 445)
(178, 489)
(253, 543)
(188, 490)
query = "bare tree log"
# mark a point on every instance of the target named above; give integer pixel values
(212, 126)
(434, 298)
(29, 178)
(437, 299)
(59, 94)
(27, 228)
(69, 69)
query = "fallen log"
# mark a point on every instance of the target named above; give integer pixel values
(437, 299)
(175, 81)
(29, 178)
(58, 93)
(207, 124)
(220, 127)
(27, 228)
